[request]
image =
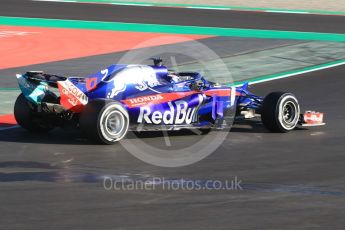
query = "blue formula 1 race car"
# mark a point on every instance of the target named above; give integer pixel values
(106, 105)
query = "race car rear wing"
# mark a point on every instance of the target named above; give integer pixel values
(36, 85)
(40, 76)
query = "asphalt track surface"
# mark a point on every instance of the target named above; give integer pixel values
(173, 16)
(289, 181)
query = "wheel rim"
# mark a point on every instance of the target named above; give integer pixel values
(113, 124)
(289, 114)
(289, 111)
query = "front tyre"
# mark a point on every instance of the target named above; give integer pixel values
(104, 121)
(27, 118)
(280, 112)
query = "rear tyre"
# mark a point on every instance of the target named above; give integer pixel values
(104, 121)
(27, 118)
(280, 112)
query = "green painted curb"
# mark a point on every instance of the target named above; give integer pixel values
(212, 7)
(9, 89)
(172, 29)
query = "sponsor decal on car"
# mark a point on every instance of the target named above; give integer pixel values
(166, 97)
(91, 83)
(72, 97)
(178, 113)
(312, 117)
(145, 100)
(155, 99)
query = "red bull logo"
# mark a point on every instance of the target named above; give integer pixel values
(179, 113)
(142, 77)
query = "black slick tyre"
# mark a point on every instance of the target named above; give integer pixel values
(280, 112)
(104, 121)
(27, 118)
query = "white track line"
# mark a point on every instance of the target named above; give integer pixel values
(53, 1)
(298, 73)
(129, 4)
(206, 8)
(253, 81)
(286, 12)
(197, 7)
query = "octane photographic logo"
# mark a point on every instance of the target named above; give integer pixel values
(171, 149)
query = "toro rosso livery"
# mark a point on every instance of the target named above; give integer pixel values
(141, 97)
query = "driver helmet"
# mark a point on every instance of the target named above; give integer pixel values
(173, 77)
